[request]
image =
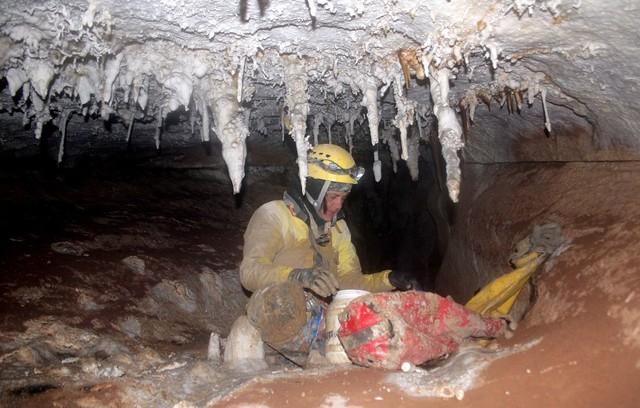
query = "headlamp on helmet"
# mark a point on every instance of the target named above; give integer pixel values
(333, 163)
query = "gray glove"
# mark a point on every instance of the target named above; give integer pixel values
(319, 280)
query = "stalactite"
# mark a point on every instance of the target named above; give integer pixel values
(283, 115)
(156, 137)
(230, 128)
(471, 101)
(414, 154)
(370, 100)
(180, 85)
(547, 121)
(465, 120)
(206, 126)
(485, 97)
(350, 118)
(369, 88)
(313, 8)
(111, 71)
(387, 136)
(493, 54)
(16, 77)
(317, 120)
(234, 149)
(404, 117)
(84, 89)
(407, 57)
(449, 130)
(130, 130)
(297, 102)
(518, 95)
(42, 114)
(143, 98)
(351, 123)
(328, 123)
(512, 88)
(105, 111)
(26, 91)
(420, 110)
(64, 118)
(203, 109)
(192, 123)
(377, 166)
(40, 73)
(510, 104)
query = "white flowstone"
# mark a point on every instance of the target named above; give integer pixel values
(244, 344)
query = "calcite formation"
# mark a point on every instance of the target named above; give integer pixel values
(286, 68)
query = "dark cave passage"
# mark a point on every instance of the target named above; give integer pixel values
(392, 225)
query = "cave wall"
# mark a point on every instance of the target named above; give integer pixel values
(585, 320)
(596, 270)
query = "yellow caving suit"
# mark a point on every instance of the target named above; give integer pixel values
(277, 241)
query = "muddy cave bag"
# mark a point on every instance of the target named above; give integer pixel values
(385, 330)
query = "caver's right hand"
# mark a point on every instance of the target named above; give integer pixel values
(319, 280)
(403, 280)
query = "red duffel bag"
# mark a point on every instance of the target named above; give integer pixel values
(385, 330)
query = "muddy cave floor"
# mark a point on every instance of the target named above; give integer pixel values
(112, 283)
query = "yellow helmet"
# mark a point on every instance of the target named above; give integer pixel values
(333, 163)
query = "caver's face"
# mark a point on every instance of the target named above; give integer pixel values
(333, 202)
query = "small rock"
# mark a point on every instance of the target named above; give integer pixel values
(131, 326)
(90, 366)
(68, 248)
(122, 360)
(175, 293)
(87, 302)
(149, 357)
(111, 371)
(70, 360)
(60, 372)
(28, 356)
(203, 370)
(213, 352)
(135, 264)
(172, 366)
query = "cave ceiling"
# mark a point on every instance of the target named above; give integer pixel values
(486, 77)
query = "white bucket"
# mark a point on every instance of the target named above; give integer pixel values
(333, 348)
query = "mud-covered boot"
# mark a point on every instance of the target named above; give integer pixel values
(244, 347)
(279, 312)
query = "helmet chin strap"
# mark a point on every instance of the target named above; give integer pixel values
(317, 203)
(322, 235)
